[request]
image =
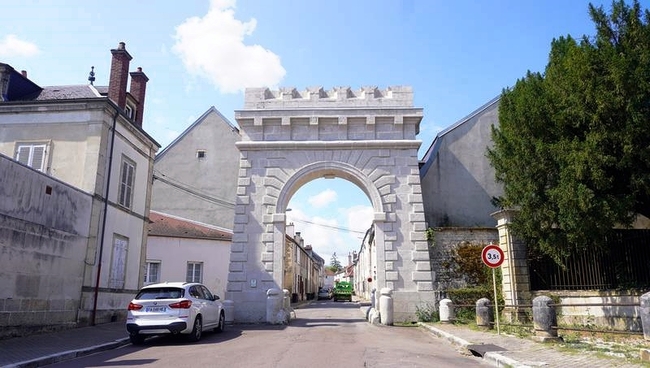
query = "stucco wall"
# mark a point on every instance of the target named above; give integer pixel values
(200, 189)
(459, 181)
(43, 239)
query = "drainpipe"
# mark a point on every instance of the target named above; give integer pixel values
(101, 240)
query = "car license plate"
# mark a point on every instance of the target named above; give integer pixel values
(155, 309)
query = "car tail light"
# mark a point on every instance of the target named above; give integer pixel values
(133, 306)
(183, 304)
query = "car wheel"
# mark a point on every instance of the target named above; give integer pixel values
(136, 339)
(222, 323)
(197, 330)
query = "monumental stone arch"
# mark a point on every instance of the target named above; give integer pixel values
(292, 137)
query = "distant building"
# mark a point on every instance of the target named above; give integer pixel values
(303, 268)
(90, 138)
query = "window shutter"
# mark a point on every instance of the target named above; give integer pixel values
(118, 264)
(129, 185)
(22, 155)
(38, 158)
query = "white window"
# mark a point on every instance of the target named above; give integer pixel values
(118, 262)
(127, 176)
(194, 272)
(32, 155)
(152, 272)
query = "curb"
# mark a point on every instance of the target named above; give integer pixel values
(493, 358)
(68, 355)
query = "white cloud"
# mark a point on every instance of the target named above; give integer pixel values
(359, 218)
(213, 47)
(10, 45)
(323, 198)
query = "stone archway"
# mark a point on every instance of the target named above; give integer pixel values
(291, 137)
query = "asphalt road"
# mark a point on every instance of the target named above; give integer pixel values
(323, 334)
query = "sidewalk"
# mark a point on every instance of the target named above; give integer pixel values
(49, 348)
(510, 351)
(497, 350)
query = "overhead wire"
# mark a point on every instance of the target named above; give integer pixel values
(329, 226)
(193, 191)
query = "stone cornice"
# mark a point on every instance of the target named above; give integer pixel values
(328, 145)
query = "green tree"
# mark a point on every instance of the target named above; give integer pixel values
(335, 264)
(572, 148)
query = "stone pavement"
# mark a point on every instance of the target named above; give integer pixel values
(505, 351)
(509, 351)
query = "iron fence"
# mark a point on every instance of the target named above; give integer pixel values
(622, 264)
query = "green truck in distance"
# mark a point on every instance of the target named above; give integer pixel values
(343, 291)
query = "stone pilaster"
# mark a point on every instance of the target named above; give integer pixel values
(514, 271)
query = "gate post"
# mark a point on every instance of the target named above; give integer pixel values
(515, 281)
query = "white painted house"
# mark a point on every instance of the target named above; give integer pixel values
(184, 250)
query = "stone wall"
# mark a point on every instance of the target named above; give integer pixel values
(44, 227)
(618, 310)
(446, 239)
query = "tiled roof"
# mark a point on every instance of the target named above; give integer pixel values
(68, 92)
(172, 226)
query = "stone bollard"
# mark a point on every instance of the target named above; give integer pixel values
(229, 311)
(645, 315)
(484, 314)
(286, 299)
(544, 318)
(275, 313)
(446, 311)
(386, 307)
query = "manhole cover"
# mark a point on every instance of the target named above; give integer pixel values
(480, 349)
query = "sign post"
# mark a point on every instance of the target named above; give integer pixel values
(493, 256)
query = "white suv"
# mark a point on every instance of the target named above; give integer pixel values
(174, 308)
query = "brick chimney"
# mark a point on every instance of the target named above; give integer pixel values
(138, 89)
(119, 75)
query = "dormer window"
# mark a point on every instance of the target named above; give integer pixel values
(128, 110)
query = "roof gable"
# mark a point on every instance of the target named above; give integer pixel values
(432, 152)
(201, 119)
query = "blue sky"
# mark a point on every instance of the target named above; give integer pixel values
(456, 55)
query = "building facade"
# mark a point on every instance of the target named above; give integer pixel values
(196, 175)
(458, 182)
(90, 138)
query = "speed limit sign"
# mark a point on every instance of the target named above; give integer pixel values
(492, 256)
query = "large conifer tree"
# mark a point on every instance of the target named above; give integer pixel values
(572, 148)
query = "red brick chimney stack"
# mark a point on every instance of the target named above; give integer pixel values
(138, 89)
(119, 75)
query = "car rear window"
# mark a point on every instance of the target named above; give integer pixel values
(161, 293)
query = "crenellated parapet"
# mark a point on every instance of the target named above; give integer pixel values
(338, 97)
